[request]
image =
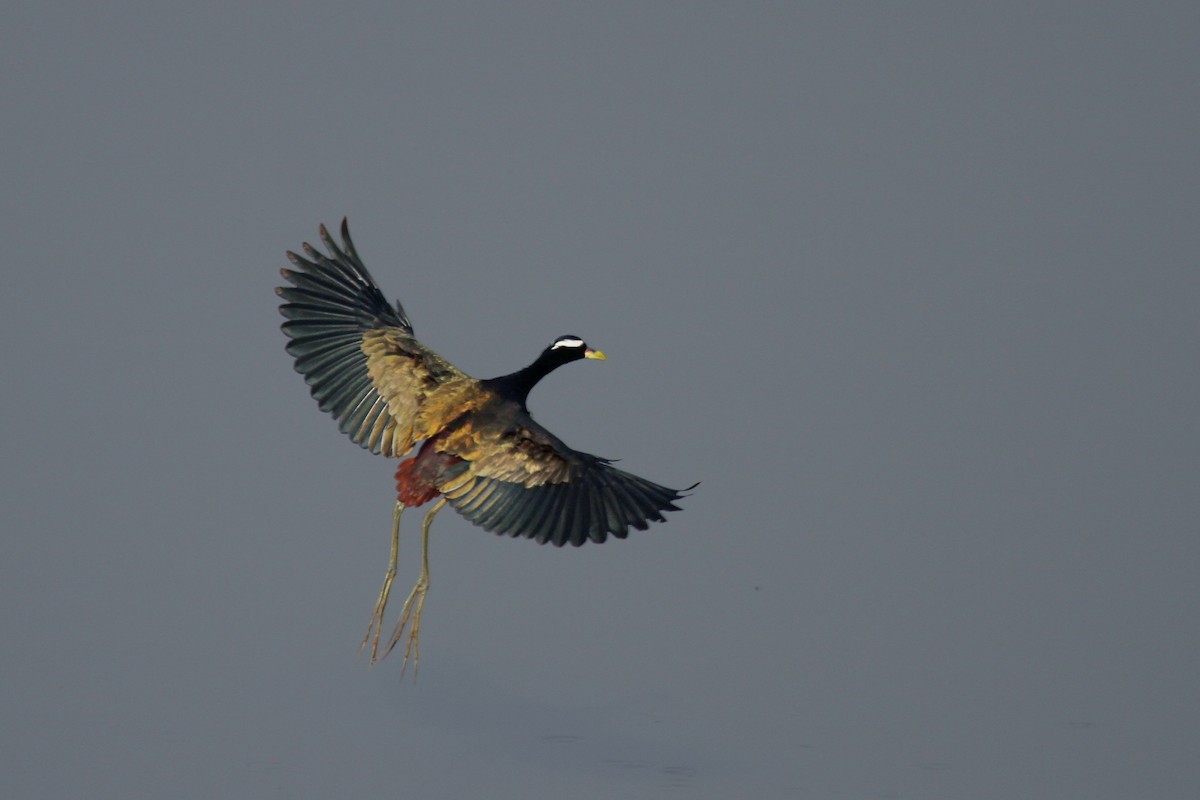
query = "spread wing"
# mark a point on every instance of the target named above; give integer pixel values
(521, 480)
(359, 355)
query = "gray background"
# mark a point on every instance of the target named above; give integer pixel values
(912, 289)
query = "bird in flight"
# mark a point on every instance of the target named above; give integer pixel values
(480, 450)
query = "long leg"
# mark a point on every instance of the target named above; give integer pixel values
(416, 600)
(376, 625)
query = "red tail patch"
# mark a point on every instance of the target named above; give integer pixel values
(416, 478)
(410, 488)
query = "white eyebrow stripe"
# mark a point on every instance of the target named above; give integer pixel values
(567, 343)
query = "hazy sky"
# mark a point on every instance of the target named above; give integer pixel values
(911, 288)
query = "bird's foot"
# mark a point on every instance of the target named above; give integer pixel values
(376, 626)
(411, 612)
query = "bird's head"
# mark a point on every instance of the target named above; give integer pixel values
(571, 348)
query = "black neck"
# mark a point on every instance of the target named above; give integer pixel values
(517, 385)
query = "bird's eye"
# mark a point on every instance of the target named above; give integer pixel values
(568, 341)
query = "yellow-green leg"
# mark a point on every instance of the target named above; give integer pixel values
(416, 600)
(376, 625)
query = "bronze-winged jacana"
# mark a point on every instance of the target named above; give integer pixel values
(482, 452)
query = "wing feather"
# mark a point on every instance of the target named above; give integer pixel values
(358, 354)
(559, 495)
